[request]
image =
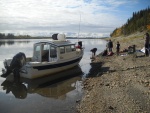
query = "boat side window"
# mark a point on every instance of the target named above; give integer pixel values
(68, 49)
(53, 52)
(73, 47)
(62, 50)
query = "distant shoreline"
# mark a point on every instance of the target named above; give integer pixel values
(51, 38)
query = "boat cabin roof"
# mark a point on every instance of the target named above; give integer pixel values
(56, 43)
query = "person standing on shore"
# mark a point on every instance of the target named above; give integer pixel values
(118, 48)
(110, 45)
(147, 39)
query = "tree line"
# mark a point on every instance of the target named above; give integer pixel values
(139, 21)
(12, 36)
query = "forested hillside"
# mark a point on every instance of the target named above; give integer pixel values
(139, 21)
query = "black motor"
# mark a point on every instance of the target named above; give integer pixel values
(18, 61)
(16, 64)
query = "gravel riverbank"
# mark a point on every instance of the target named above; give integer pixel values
(122, 84)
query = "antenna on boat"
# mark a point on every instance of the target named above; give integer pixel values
(79, 27)
(79, 42)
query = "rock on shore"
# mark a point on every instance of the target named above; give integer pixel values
(122, 84)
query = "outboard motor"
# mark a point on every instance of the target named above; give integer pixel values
(18, 61)
(16, 64)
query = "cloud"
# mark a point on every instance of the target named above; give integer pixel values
(94, 16)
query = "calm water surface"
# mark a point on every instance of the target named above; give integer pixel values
(40, 95)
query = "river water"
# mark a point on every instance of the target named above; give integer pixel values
(40, 95)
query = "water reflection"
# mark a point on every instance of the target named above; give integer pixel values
(12, 42)
(45, 86)
(95, 69)
(19, 90)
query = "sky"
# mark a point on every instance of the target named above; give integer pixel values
(77, 18)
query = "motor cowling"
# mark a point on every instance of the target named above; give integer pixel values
(18, 61)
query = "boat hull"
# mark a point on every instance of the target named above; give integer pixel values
(48, 69)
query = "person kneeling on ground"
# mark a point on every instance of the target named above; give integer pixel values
(93, 51)
(105, 52)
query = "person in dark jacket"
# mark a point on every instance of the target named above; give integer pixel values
(147, 39)
(117, 48)
(110, 45)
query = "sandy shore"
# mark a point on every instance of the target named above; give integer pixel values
(122, 84)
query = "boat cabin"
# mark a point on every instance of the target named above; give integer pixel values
(53, 51)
